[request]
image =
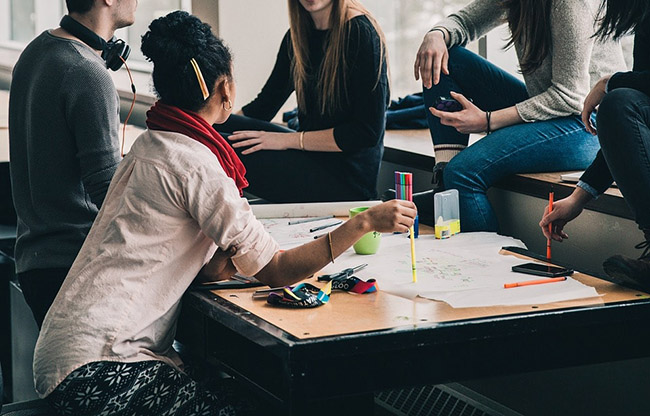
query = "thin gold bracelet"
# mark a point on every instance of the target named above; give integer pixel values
(302, 143)
(329, 240)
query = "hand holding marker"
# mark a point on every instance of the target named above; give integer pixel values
(404, 188)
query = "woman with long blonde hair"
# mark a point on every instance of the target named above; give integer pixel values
(334, 58)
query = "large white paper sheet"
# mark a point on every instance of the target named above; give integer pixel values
(465, 270)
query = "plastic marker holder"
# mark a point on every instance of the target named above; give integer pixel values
(447, 212)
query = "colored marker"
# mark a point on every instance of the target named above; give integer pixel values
(408, 179)
(413, 269)
(534, 282)
(550, 226)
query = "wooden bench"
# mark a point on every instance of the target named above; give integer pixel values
(413, 149)
(605, 228)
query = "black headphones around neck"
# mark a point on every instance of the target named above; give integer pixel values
(113, 51)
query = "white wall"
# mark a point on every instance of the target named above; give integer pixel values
(253, 29)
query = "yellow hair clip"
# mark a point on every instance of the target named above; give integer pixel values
(199, 77)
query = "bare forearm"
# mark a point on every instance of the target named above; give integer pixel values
(314, 141)
(580, 197)
(298, 263)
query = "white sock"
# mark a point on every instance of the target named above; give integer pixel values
(446, 152)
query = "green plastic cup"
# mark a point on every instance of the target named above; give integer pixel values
(369, 243)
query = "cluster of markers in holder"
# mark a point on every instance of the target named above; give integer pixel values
(404, 191)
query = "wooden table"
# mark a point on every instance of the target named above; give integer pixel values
(335, 356)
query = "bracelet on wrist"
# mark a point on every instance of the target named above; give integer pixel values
(488, 115)
(437, 29)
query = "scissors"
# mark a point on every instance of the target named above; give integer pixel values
(342, 274)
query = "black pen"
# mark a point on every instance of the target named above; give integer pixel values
(342, 274)
(322, 227)
(241, 278)
(264, 292)
(310, 219)
(225, 284)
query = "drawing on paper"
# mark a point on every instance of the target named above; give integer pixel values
(438, 269)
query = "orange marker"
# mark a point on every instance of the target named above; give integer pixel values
(534, 282)
(550, 226)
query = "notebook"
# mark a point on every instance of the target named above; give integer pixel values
(574, 177)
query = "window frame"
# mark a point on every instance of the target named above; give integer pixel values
(44, 8)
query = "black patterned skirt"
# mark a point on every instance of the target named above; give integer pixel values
(106, 388)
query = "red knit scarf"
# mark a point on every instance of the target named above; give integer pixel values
(169, 118)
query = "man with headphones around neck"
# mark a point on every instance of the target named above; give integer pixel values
(64, 140)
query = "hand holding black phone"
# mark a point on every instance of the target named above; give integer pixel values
(447, 104)
(541, 270)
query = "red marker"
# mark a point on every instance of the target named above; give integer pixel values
(550, 226)
(534, 282)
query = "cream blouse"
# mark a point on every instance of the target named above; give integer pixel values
(168, 208)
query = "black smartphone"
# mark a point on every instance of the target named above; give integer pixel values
(541, 270)
(447, 104)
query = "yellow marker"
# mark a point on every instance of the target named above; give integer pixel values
(415, 273)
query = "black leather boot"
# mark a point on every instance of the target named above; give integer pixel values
(437, 180)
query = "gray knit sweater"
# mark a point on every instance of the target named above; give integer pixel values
(559, 86)
(64, 148)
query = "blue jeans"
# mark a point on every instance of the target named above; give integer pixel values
(623, 120)
(544, 146)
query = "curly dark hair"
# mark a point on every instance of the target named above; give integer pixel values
(170, 43)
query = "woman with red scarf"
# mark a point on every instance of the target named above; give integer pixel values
(173, 211)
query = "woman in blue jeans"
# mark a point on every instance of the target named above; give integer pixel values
(623, 102)
(532, 126)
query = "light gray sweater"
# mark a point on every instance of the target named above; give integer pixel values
(576, 61)
(64, 148)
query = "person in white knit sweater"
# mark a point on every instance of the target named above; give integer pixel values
(532, 126)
